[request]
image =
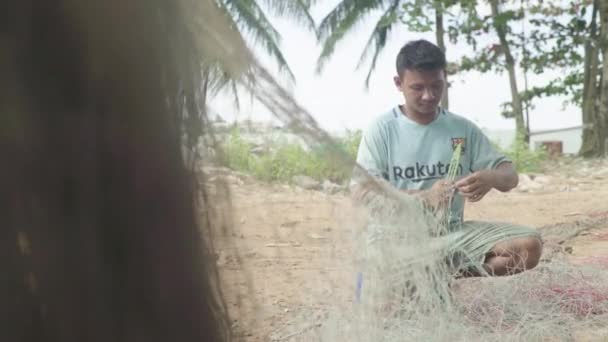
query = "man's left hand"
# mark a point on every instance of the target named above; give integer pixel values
(475, 186)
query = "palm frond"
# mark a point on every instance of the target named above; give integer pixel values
(250, 18)
(235, 95)
(299, 10)
(219, 80)
(340, 21)
(217, 38)
(378, 38)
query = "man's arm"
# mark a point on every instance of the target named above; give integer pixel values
(491, 169)
(436, 197)
(504, 177)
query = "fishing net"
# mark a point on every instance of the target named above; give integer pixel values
(398, 282)
(395, 279)
(405, 291)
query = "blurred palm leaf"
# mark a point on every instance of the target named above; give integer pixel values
(343, 20)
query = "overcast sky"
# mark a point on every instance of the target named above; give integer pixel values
(338, 99)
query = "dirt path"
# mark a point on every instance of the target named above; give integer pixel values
(288, 241)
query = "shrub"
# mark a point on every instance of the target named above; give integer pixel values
(285, 160)
(525, 160)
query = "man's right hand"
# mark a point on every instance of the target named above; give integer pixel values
(438, 196)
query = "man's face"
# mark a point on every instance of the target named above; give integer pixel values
(422, 90)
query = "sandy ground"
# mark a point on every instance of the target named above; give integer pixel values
(289, 250)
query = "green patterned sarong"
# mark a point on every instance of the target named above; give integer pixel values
(469, 244)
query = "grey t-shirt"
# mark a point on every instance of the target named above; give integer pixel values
(413, 156)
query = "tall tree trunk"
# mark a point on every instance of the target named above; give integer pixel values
(510, 63)
(602, 117)
(524, 52)
(591, 136)
(439, 36)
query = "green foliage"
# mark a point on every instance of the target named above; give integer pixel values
(350, 142)
(525, 160)
(475, 28)
(557, 36)
(469, 25)
(343, 19)
(484, 61)
(415, 15)
(251, 20)
(285, 160)
(236, 152)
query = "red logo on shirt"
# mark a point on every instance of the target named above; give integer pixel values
(458, 141)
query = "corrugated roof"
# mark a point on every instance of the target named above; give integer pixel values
(559, 130)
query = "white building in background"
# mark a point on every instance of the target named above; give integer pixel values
(571, 138)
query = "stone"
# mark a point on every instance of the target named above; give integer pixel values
(306, 182)
(527, 184)
(330, 187)
(524, 178)
(542, 179)
(232, 180)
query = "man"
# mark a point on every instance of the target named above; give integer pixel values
(411, 147)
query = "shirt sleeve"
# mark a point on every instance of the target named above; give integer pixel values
(484, 155)
(372, 155)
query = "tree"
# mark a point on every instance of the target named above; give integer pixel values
(601, 120)
(498, 56)
(413, 14)
(567, 37)
(439, 37)
(250, 22)
(500, 23)
(592, 134)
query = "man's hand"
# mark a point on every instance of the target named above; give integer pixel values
(475, 186)
(438, 195)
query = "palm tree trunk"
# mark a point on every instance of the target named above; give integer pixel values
(510, 64)
(524, 48)
(439, 36)
(591, 139)
(602, 117)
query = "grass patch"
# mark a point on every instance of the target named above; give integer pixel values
(282, 160)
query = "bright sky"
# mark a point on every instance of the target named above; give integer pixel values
(337, 98)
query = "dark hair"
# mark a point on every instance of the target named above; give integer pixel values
(420, 55)
(100, 238)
